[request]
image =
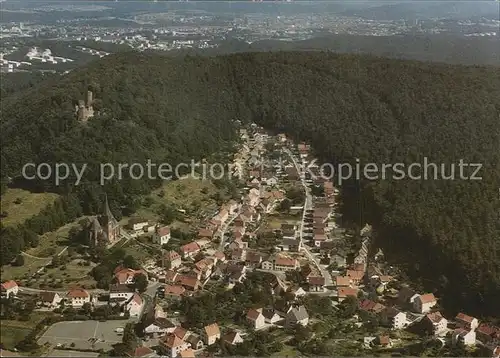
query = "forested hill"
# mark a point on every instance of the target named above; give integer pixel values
(347, 106)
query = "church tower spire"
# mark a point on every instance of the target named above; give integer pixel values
(107, 210)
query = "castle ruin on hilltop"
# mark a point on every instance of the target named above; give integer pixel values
(83, 110)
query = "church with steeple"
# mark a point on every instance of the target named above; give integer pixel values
(105, 229)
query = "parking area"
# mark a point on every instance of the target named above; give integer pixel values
(83, 334)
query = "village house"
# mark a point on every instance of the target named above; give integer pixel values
(296, 315)
(356, 276)
(297, 292)
(285, 264)
(383, 341)
(211, 333)
(256, 319)
(137, 224)
(270, 181)
(205, 266)
(338, 259)
(205, 233)
(173, 345)
(394, 318)
(424, 303)
(125, 276)
(232, 338)
(171, 260)
(190, 283)
(142, 352)
(158, 326)
(9, 288)
(135, 305)
(238, 254)
(78, 297)
(316, 283)
(253, 197)
(253, 259)
(190, 250)
(371, 306)
(176, 291)
(161, 235)
(237, 244)
(435, 323)
(270, 316)
(487, 333)
(120, 292)
(342, 281)
(292, 245)
(461, 336)
(195, 341)
(318, 239)
(344, 292)
(49, 299)
(466, 322)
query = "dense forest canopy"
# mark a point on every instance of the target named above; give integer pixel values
(446, 232)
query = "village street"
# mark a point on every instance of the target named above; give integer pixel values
(308, 204)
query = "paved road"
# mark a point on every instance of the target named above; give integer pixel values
(36, 290)
(307, 206)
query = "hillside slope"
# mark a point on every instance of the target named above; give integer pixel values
(380, 111)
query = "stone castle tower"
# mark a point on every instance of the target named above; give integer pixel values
(85, 110)
(105, 228)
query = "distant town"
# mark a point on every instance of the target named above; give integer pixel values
(197, 29)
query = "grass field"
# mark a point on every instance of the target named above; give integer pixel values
(53, 242)
(21, 204)
(189, 194)
(31, 265)
(12, 332)
(70, 274)
(274, 221)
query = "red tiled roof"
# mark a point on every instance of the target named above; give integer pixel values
(191, 247)
(355, 275)
(427, 298)
(434, 317)
(172, 341)
(488, 329)
(180, 332)
(316, 280)
(7, 285)
(78, 293)
(464, 318)
(172, 255)
(253, 314)
(141, 351)
(344, 292)
(163, 231)
(174, 290)
(188, 281)
(342, 281)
